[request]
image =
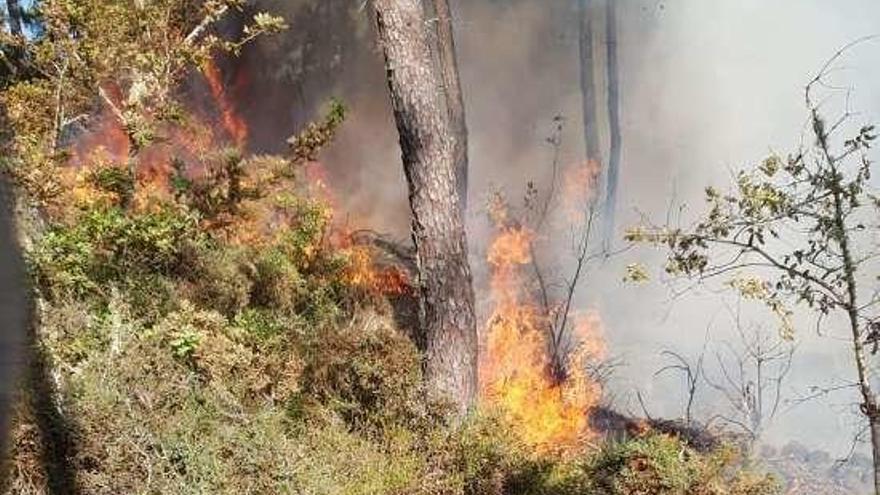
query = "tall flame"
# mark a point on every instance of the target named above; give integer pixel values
(516, 376)
(234, 125)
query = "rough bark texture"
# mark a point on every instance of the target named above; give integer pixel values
(589, 97)
(613, 122)
(427, 145)
(454, 97)
(15, 17)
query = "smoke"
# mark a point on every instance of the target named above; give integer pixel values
(707, 87)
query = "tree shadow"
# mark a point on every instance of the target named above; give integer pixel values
(24, 368)
(57, 446)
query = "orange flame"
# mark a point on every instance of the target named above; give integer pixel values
(107, 144)
(515, 375)
(234, 125)
(106, 140)
(363, 273)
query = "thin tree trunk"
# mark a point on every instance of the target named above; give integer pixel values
(613, 122)
(15, 17)
(875, 450)
(869, 406)
(446, 292)
(589, 97)
(454, 97)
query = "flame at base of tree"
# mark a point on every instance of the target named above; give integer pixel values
(548, 414)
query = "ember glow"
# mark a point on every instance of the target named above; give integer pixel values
(516, 374)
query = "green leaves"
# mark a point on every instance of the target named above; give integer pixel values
(266, 23)
(771, 165)
(306, 145)
(107, 245)
(786, 232)
(757, 289)
(184, 344)
(636, 274)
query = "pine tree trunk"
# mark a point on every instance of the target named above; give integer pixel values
(427, 145)
(589, 97)
(15, 17)
(454, 97)
(613, 122)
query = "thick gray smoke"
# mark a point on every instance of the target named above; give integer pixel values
(707, 87)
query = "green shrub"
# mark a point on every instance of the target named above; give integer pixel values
(278, 283)
(108, 245)
(218, 277)
(291, 284)
(203, 403)
(336, 461)
(261, 324)
(116, 180)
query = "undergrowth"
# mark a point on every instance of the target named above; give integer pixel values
(189, 364)
(213, 335)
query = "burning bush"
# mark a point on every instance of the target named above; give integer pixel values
(534, 367)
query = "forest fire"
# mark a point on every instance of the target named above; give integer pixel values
(363, 273)
(249, 247)
(516, 368)
(549, 414)
(234, 125)
(107, 135)
(189, 145)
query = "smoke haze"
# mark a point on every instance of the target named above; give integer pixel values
(707, 87)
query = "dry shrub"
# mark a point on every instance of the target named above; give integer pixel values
(662, 464)
(188, 406)
(258, 402)
(217, 278)
(368, 373)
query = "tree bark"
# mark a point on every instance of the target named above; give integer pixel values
(454, 97)
(869, 404)
(15, 17)
(589, 98)
(427, 145)
(613, 122)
